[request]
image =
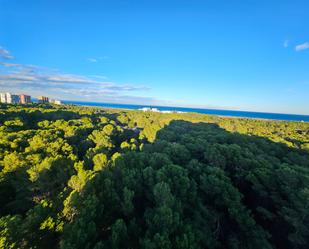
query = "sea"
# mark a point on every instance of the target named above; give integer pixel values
(228, 113)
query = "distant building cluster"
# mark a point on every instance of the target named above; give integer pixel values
(55, 101)
(149, 109)
(10, 98)
(43, 99)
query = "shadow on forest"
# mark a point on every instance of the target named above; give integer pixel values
(264, 174)
(181, 127)
(190, 159)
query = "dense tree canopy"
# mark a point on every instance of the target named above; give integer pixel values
(90, 178)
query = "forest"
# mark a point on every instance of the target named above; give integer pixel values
(76, 177)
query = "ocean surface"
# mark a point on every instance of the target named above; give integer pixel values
(243, 114)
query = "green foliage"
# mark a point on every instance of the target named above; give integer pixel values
(99, 161)
(80, 177)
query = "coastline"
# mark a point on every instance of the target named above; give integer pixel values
(219, 113)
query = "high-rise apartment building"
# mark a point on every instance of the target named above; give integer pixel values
(9, 98)
(25, 99)
(13, 98)
(3, 97)
(43, 99)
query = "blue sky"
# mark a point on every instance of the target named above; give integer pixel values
(244, 55)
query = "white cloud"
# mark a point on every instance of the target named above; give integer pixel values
(97, 59)
(5, 54)
(50, 82)
(37, 80)
(9, 64)
(286, 43)
(93, 60)
(302, 46)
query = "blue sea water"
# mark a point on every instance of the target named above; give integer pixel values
(243, 114)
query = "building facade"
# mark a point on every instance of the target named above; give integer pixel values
(25, 99)
(9, 98)
(58, 102)
(43, 99)
(15, 99)
(55, 101)
(3, 97)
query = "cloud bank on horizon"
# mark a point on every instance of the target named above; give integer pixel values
(35, 79)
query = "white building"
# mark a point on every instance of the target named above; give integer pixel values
(9, 98)
(3, 97)
(58, 102)
(12, 98)
(55, 101)
(149, 109)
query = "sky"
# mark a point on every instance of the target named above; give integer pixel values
(222, 54)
